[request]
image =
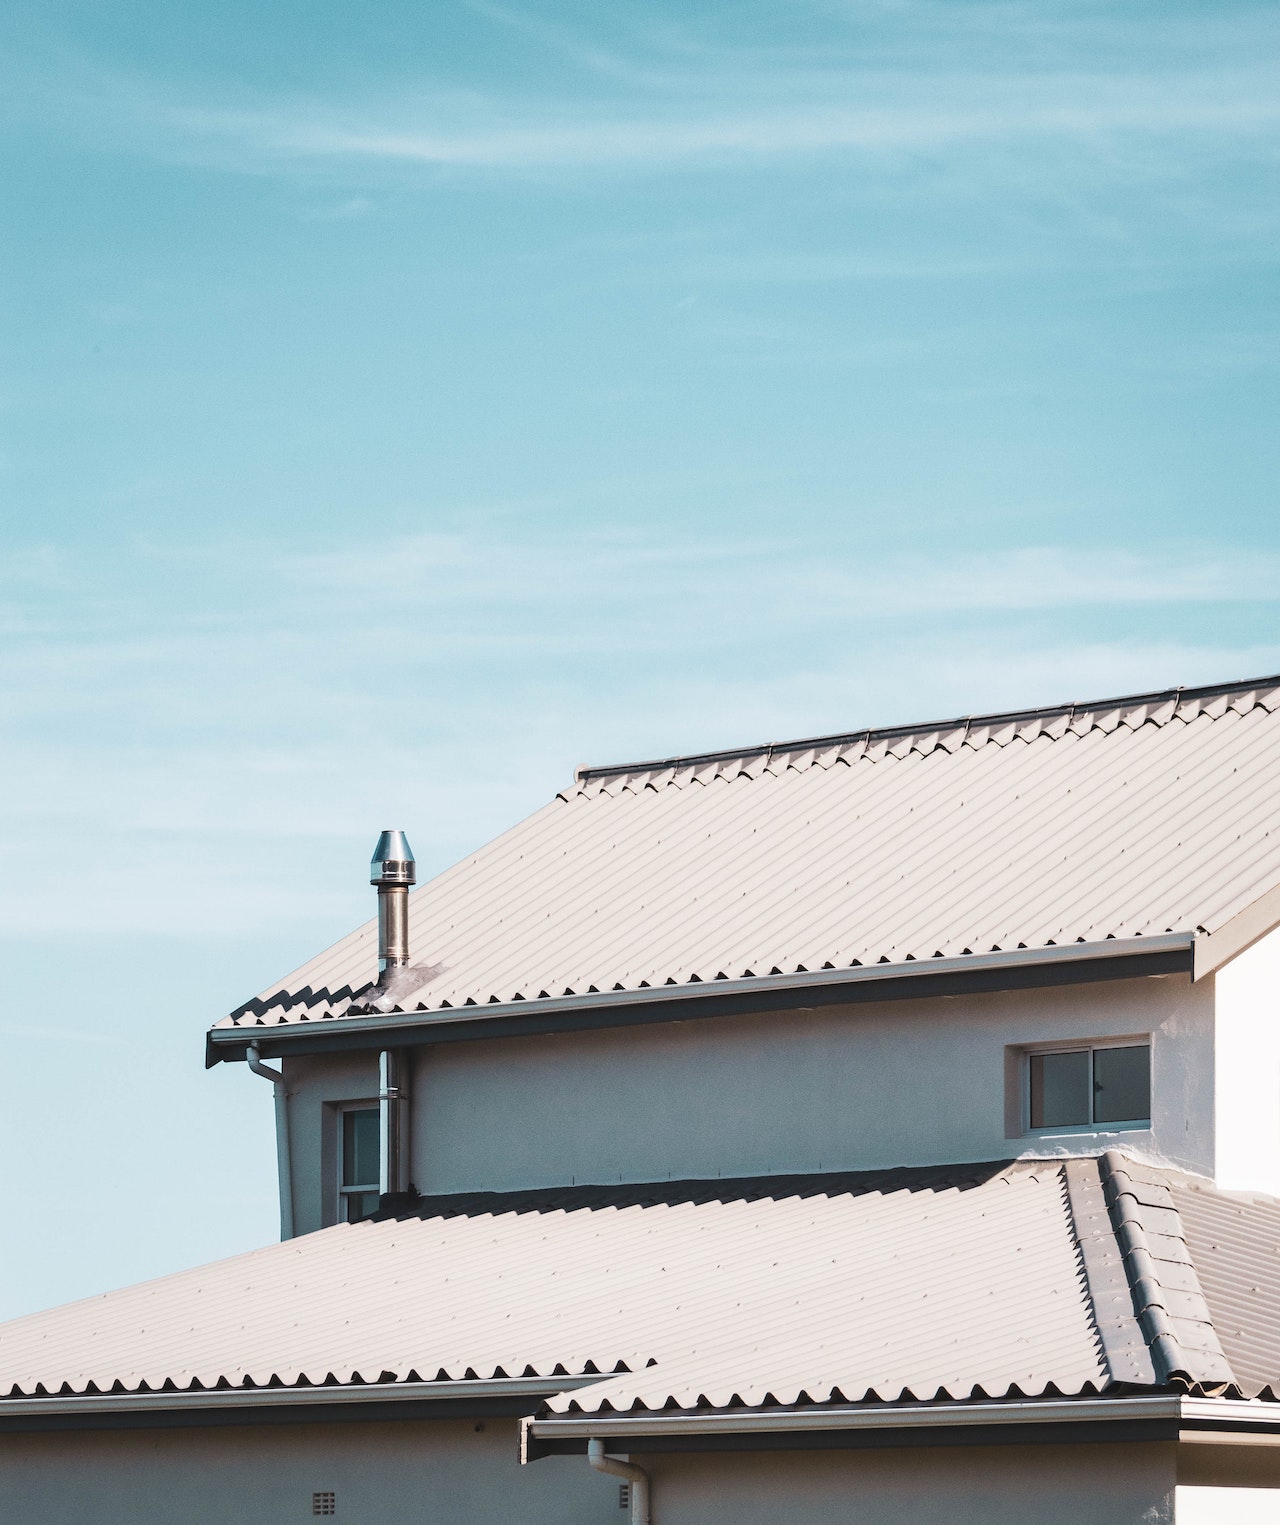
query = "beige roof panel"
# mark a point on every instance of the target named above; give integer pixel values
(946, 1288)
(1082, 824)
(1028, 1279)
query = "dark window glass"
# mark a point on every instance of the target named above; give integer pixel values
(1122, 1084)
(360, 1204)
(360, 1163)
(1060, 1089)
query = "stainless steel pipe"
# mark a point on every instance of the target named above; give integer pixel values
(391, 871)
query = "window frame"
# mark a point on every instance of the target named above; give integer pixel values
(344, 1190)
(1076, 1046)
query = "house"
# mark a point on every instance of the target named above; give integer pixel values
(876, 1127)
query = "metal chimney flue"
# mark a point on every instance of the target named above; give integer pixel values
(391, 871)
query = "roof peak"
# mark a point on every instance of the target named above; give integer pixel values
(866, 736)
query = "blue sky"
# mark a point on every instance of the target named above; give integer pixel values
(402, 404)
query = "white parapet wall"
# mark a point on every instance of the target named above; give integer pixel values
(1227, 1506)
(1247, 1071)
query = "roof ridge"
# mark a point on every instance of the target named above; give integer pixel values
(1175, 1319)
(1123, 1341)
(966, 724)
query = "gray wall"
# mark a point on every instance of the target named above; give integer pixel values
(898, 1083)
(1011, 1485)
(381, 1473)
(449, 1473)
(316, 1088)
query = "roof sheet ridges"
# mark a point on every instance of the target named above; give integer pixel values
(960, 1282)
(1234, 1242)
(1167, 1298)
(1157, 708)
(1116, 830)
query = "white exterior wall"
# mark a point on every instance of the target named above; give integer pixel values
(265, 1475)
(1227, 1506)
(979, 1485)
(1227, 1485)
(839, 1088)
(1247, 1080)
(315, 1089)
(447, 1473)
(857, 1087)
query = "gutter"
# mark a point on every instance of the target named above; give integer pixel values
(1194, 1419)
(302, 1401)
(1115, 958)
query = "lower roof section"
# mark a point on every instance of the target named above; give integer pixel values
(1016, 1282)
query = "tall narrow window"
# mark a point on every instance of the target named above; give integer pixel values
(1087, 1087)
(358, 1182)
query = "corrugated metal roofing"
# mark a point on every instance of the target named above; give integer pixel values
(1235, 1244)
(948, 1288)
(882, 847)
(1022, 1279)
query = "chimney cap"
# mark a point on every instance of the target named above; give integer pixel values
(392, 861)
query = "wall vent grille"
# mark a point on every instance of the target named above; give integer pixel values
(324, 1503)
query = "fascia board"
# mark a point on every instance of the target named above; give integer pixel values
(1239, 1414)
(826, 986)
(88, 1404)
(882, 1416)
(1213, 949)
(1208, 1419)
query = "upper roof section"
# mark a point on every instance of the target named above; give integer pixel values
(1121, 819)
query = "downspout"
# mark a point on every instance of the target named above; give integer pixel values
(393, 1108)
(253, 1056)
(636, 1476)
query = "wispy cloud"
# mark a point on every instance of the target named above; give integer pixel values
(452, 570)
(62, 1034)
(1084, 111)
(662, 94)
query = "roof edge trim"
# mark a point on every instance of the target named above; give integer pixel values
(1238, 934)
(1218, 1416)
(314, 1396)
(882, 1416)
(585, 772)
(825, 985)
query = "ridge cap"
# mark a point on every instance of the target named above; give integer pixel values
(1204, 1366)
(585, 773)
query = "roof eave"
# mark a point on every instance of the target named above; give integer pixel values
(1168, 1416)
(1238, 934)
(915, 979)
(328, 1403)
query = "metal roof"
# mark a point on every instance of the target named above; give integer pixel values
(1235, 1244)
(964, 1283)
(1081, 824)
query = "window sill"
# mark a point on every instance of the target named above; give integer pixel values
(1088, 1131)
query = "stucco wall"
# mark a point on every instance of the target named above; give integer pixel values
(316, 1087)
(1247, 1082)
(1012, 1485)
(1227, 1506)
(898, 1083)
(380, 1473)
(450, 1474)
